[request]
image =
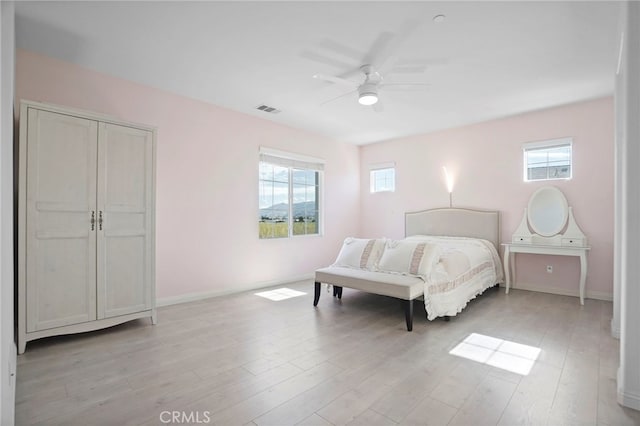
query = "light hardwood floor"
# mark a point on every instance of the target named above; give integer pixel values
(243, 359)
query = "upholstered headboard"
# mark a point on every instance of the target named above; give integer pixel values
(455, 222)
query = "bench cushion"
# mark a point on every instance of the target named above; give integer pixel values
(400, 286)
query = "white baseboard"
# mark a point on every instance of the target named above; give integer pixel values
(598, 295)
(615, 330)
(193, 297)
(628, 399)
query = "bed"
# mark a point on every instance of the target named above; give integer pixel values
(453, 253)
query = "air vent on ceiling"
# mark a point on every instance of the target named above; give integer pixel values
(267, 108)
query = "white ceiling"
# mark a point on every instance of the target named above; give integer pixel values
(487, 60)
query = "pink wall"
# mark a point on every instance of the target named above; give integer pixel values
(486, 160)
(207, 171)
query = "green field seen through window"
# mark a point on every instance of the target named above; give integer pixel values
(281, 230)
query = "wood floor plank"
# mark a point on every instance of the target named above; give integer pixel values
(532, 401)
(371, 418)
(576, 399)
(410, 392)
(429, 412)
(486, 404)
(314, 420)
(454, 389)
(303, 405)
(268, 399)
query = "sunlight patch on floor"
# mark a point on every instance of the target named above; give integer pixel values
(504, 354)
(280, 294)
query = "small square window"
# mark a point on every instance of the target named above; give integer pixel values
(548, 160)
(383, 180)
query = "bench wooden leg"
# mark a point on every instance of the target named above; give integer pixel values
(408, 313)
(316, 295)
(339, 290)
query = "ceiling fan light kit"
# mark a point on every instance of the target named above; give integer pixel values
(367, 94)
(368, 98)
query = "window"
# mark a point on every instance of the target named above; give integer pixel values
(289, 194)
(382, 177)
(548, 160)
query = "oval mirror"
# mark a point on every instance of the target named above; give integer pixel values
(548, 211)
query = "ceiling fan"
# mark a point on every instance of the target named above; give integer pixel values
(368, 89)
(380, 60)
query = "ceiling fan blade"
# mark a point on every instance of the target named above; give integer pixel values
(408, 69)
(336, 80)
(379, 48)
(417, 66)
(405, 87)
(378, 106)
(340, 49)
(316, 57)
(338, 97)
(386, 57)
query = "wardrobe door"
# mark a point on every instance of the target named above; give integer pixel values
(125, 220)
(60, 201)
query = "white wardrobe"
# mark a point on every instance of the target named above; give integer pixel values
(86, 223)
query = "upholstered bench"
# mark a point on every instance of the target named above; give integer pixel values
(404, 287)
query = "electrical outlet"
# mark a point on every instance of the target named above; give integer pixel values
(549, 269)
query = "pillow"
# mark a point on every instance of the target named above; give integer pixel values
(409, 258)
(360, 253)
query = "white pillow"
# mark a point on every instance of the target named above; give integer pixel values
(409, 258)
(360, 253)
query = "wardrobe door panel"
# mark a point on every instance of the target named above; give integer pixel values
(125, 235)
(60, 200)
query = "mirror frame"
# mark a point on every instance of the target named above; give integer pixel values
(561, 203)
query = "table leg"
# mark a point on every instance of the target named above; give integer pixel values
(583, 275)
(316, 294)
(512, 262)
(507, 269)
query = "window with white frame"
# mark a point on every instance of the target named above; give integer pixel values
(289, 194)
(382, 177)
(548, 160)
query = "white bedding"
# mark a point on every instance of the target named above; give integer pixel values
(467, 267)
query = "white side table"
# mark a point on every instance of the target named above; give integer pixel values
(511, 249)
